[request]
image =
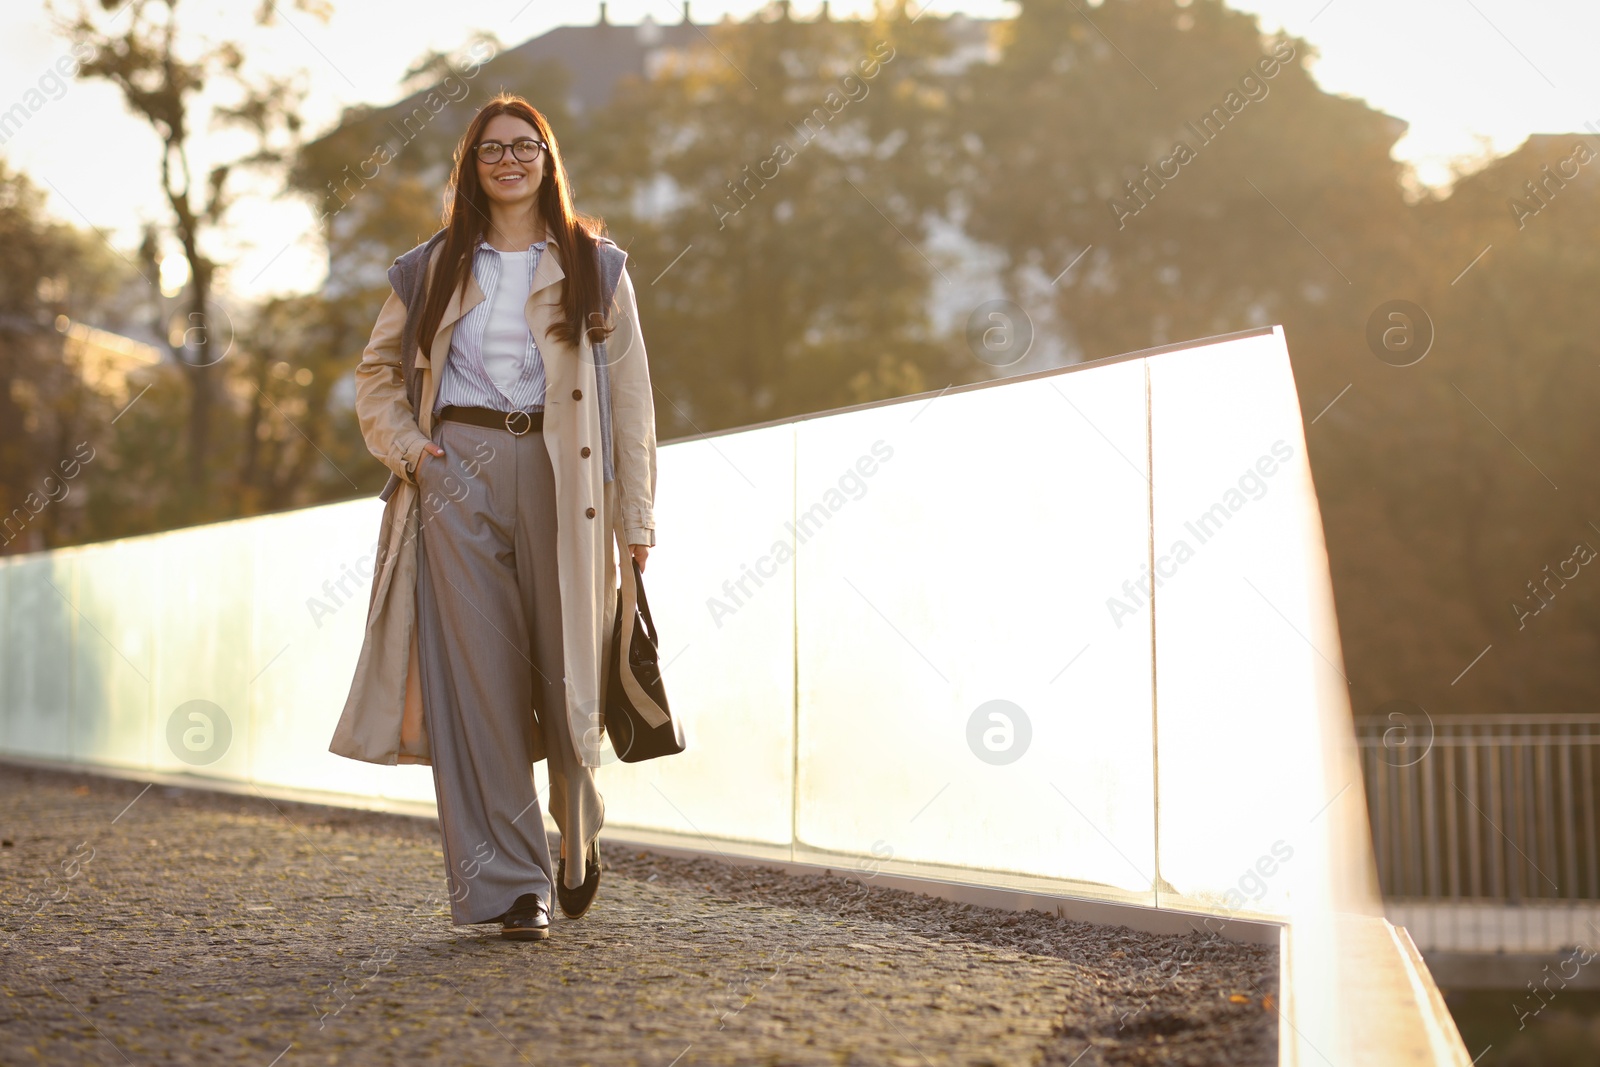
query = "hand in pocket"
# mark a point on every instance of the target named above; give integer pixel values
(429, 449)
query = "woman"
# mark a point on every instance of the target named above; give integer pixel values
(512, 471)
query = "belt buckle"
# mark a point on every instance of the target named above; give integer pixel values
(527, 421)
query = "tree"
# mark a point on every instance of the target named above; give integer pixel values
(376, 180)
(1288, 207)
(51, 278)
(289, 448)
(1236, 194)
(161, 76)
(1502, 422)
(772, 189)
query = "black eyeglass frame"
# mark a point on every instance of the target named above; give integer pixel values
(539, 146)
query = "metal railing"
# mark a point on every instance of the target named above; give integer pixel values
(1483, 807)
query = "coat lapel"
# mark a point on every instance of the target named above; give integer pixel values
(549, 271)
(462, 301)
(544, 306)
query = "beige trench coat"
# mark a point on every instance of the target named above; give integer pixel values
(382, 718)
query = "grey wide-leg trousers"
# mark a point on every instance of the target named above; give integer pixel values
(489, 638)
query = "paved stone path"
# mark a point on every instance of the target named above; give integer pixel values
(147, 924)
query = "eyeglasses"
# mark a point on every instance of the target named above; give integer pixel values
(525, 149)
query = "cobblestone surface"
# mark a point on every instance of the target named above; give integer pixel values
(146, 924)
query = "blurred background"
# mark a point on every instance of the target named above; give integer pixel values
(830, 204)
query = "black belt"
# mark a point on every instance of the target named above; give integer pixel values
(518, 422)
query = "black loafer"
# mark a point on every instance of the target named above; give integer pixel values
(528, 919)
(574, 902)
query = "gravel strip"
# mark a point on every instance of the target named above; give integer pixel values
(155, 924)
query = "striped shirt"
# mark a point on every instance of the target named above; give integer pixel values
(466, 380)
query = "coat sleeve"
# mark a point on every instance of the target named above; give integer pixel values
(388, 423)
(633, 421)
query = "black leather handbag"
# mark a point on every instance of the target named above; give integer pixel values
(636, 714)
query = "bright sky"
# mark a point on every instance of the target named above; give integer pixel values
(1470, 76)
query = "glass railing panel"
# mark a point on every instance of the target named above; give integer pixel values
(964, 697)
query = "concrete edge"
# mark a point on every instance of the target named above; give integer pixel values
(1443, 1037)
(1288, 1048)
(1078, 909)
(421, 809)
(1034, 896)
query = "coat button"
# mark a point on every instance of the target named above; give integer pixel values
(577, 394)
(584, 452)
(590, 512)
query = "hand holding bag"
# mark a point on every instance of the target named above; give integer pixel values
(636, 714)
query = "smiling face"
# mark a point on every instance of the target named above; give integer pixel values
(509, 182)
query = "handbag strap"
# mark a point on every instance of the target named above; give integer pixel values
(644, 602)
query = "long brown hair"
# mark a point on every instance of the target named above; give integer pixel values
(466, 218)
